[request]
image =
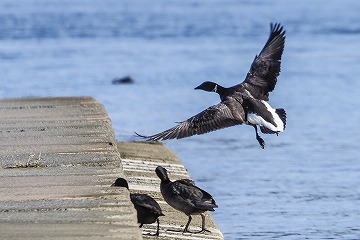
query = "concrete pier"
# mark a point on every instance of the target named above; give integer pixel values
(58, 159)
(139, 162)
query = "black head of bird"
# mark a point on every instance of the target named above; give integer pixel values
(213, 87)
(162, 174)
(120, 182)
(208, 86)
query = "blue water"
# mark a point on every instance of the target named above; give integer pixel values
(304, 185)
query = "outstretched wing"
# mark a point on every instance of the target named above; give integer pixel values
(262, 76)
(216, 117)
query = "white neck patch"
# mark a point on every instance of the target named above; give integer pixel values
(215, 88)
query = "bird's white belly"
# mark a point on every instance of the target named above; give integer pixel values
(255, 119)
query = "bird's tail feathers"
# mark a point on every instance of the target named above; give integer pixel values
(282, 114)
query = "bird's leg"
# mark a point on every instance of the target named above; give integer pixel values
(187, 225)
(203, 229)
(260, 140)
(185, 229)
(203, 224)
(141, 225)
(157, 230)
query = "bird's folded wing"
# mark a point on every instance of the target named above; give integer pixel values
(194, 195)
(146, 201)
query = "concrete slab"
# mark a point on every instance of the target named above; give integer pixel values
(58, 158)
(139, 161)
(67, 231)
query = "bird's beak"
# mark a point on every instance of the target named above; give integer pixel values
(198, 87)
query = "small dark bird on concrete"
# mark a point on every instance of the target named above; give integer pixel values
(184, 196)
(148, 210)
(244, 103)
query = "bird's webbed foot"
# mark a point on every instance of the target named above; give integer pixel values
(259, 139)
(201, 231)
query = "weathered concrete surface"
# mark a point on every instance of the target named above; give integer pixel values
(58, 157)
(139, 161)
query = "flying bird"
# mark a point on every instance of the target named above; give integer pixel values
(184, 196)
(245, 103)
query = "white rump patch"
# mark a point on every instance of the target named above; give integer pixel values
(255, 119)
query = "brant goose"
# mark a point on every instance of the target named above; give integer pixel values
(148, 210)
(244, 103)
(184, 196)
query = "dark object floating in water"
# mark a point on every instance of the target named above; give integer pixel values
(148, 210)
(124, 80)
(184, 196)
(244, 103)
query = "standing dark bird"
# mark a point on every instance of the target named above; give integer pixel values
(148, 210)
(184, 196)
(245, 103)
